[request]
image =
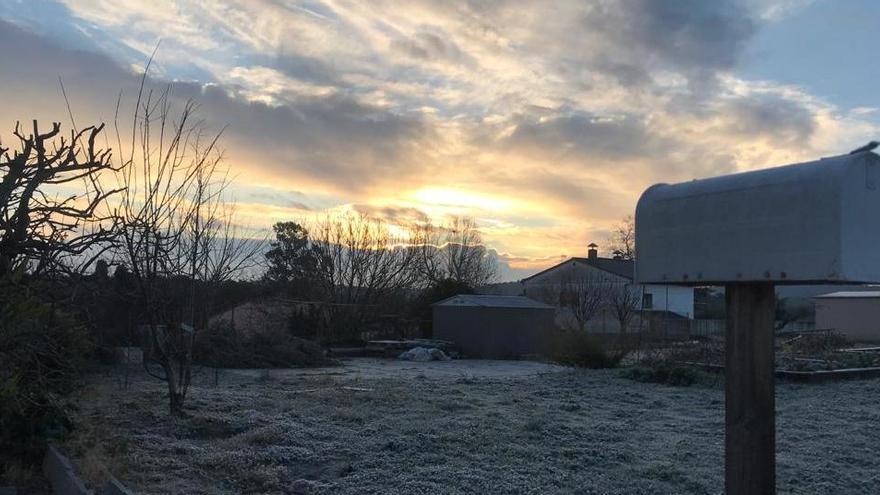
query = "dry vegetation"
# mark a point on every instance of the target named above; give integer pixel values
(461, 431)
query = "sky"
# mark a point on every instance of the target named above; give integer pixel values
(543, 121)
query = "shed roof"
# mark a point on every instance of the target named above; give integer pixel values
(620, 267)
(851, 294)
(475, 300)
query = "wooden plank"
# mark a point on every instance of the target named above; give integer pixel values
(61, 474)
(114, 487)
(750, 410)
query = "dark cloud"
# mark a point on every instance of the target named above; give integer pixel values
(790, 123)
(430, 47)
(396, 215)
(305, 68)
(275, 197)
(335, 138)
(584, 134)
(694, 36)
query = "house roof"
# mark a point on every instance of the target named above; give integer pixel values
(620, 267)
(475, 300)
(851, 294)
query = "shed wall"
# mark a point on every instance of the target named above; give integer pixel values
(496, 333)
(858, 319)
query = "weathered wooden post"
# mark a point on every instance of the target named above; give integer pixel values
(808, 223)
(750, 413)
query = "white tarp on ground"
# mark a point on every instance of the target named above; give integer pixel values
(424, 354)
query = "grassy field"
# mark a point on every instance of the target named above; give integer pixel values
(456, 428)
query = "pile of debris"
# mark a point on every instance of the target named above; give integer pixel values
(424, 354)
(393, 348)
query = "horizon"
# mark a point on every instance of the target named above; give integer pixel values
(545, 125)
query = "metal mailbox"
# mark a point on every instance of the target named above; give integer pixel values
(814, 222)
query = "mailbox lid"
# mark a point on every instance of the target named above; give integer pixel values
(814, 222)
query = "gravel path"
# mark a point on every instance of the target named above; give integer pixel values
(421, 428)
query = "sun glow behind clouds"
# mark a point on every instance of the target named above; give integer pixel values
(452, 199)
(542, 124)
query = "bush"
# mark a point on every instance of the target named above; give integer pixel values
(580, 349)
(222, 347)
(41, 353)
(665, 373)
(815, 343)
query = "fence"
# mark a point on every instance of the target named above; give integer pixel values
(708, 328)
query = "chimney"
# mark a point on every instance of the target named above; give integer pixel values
(618, 255)
(592, 252)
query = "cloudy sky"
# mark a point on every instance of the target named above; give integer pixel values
(542, 120)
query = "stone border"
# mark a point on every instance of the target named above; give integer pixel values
(62, 477)
(822, 376)
(819, 376)
(61, 474)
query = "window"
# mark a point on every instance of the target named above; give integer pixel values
(647, 301)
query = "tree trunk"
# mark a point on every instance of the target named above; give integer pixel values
(176, 403)
(175, 395)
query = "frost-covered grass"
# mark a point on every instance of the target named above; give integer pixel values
(578, 431)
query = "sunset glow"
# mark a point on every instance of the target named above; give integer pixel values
(544, 124)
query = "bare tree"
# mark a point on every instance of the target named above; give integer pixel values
(579, 296)
(52, 202)
(361, 263)
(583, 296)
(174, 228)
(623, 299)
(218, 251)
(454, 251)
(623, 238)
(787, 313)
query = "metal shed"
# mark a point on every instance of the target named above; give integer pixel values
(496, 327)
(801, 224)
(813, 222)
(853, 314)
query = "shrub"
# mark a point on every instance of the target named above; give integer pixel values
(665, 373)
(580, 349)
(222, 347)
(42, 350)
(816, 343)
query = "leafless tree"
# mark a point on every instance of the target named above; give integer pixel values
(583, 296)
(623, 238)
(787, 313)
(580, 296)
(174, 226)
(455, 251)
(53, 206)
(361, 263)
(623, 300)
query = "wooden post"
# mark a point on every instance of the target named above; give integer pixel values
(750, 411)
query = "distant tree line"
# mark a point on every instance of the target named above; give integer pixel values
(360, 268)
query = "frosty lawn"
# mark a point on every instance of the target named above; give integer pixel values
(462, 427)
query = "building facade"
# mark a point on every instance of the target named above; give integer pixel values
(612, 279)
(493, 327)
(853, 314)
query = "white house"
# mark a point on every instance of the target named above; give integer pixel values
(648, 300)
